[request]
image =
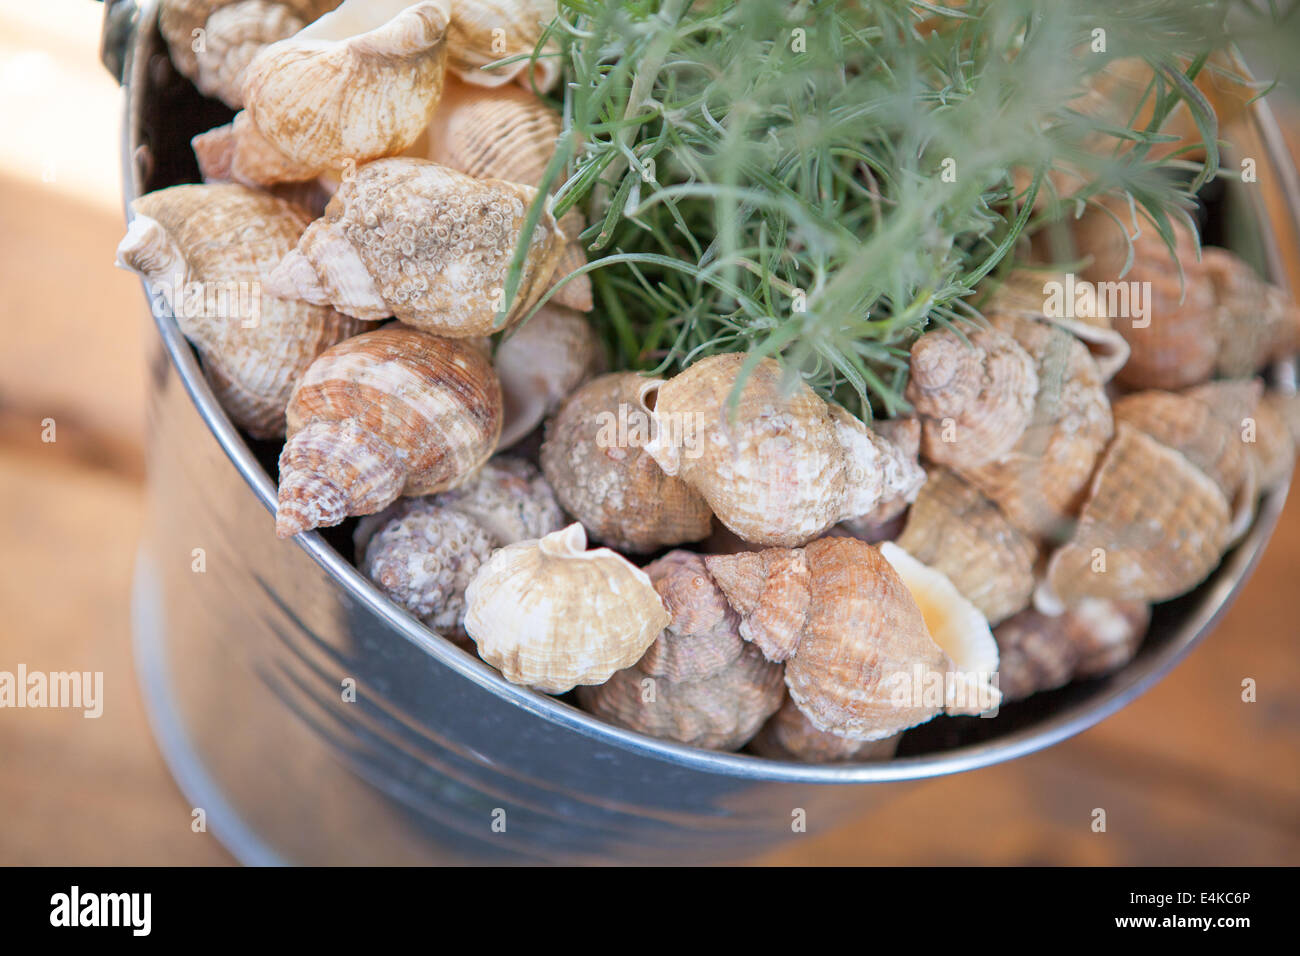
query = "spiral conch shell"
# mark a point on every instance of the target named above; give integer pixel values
(859, 660)
(507, 133)
(594, 457)
(541, 363)
(484, 31)
(423, 552)
(699, 683)
(387, 413)
(358, 84)
(786, 467)
(553, 615)
(953, 528)
(213, 41)
(789, 735)
(1153, 527)
(429, 245)
(207, 250)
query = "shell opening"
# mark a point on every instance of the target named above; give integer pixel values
(354, 18)
(570, 542)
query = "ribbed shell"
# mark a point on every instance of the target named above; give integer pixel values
(863, 664)
(553, 615)
(352, 87)
(1273, 452)
(484, 31)
(603, 476)
(1156, 520)
(507, 133)
(1257, 322)
(431, 246)
(541, 363)
(783, 467)
(1040, 652)
(391, 412)
(229, 239)
(789, 735)
(905, 435)
(975, 397)
(1040, 485)
(1179, 347)
(956, 530)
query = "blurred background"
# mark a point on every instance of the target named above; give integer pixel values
(1190, 774)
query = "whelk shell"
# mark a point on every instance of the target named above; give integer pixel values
(595, 459)
(786, 466)
(553, 615)
(208, 250)
(1257, 322)
(485, 31)
(431, 246)
(387, 413)
(789, 735)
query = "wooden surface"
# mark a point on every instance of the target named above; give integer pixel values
(1190, 774)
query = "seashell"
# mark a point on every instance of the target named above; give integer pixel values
(507, 133)
(1191, 427)
(905, 435)
(859, 661)
(699, 683)
(957, 531)
(485, 31)
(212, 41)
(1257, 420)
(1040, 485)
(975, 397)
(957, 626)
(541, 363)
(388, 413)
(427, 244)
(358, 84)
(1257, 322)
(1174, 345)
(207, 250)
(789, 735)
(1094, 637)
(423, 552)
(215, 152)
(552, 615)
(783, 467)
(595, 459)
(1051, 296)
(1153, 527)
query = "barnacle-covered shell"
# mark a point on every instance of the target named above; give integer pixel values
(594, 457)
(881, 521)
(859, 661)
(207, 250)
(975, 397)
(1153, 527)
(387, 413)
(1257, 321)
(1094, 637)
(431, 246)
(699, 683)
(359, 83)
(541, 363)
(552, 615)
(1175, 344)
(957, 531)
(423, 552)
(507, 133)
(785, 466)
(484, 31)
(1041, 483)
(789, 735)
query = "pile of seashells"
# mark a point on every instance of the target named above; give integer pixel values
(848, 582)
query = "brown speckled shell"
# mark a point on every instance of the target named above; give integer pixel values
(432, 246)
(785, 465)
(957, 531)
(789, 735)
(975, 397)
(1158, 522)
(391, 412)
(224, 235)
(611, 485)
(1040, 652)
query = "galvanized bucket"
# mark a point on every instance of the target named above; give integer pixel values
(247, 647)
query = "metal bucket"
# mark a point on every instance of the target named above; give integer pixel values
(246, 644)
